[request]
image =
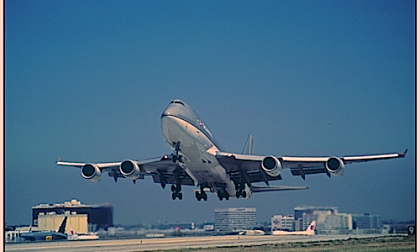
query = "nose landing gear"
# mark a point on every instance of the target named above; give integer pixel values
(176, 157)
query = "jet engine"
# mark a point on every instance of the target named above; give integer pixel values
(91, 172)
(335, 166)
(130, 169)
(271, 165)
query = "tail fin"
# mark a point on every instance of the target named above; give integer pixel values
(63, 226)
(71, 230)
(248, 146)
(311, 227)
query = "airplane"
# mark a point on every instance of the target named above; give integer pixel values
(309, 231)
(79, 237)
(198, 160)
(46, 235)
(255, 232)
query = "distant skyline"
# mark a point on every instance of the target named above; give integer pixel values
(210, 219)
(88, 80)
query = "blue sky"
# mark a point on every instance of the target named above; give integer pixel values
(88, 81)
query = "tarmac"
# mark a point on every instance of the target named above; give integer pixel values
(172, 243)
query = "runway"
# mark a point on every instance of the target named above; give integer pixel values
(171, 243)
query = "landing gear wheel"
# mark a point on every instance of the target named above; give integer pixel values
(222, 195)
(177, 195)
(201, 195)
(176, 191)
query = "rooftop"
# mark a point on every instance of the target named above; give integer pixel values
(71, 203)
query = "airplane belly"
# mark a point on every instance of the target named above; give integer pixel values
(203, 166)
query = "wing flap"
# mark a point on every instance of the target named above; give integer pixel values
(169, 178)
(256, 189)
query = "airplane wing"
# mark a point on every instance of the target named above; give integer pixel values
(162, 169)
(256, 189)
(248, 167)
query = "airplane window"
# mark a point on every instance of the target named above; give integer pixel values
(178, 102)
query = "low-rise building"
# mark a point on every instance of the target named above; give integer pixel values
(77, 223)
(367, 223)
(280, 222)
(98, 216)
(231, 219)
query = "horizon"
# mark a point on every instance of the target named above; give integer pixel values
(159, 222)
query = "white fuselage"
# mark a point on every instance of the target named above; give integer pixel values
(196, 148)
(309, 231)
(292, 233)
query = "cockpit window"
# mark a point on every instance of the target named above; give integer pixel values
(178, 102)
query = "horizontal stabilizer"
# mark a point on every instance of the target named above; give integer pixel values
(276, 188)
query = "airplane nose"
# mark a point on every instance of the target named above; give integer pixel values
(170, 110)
(174, 108)
(167, 111)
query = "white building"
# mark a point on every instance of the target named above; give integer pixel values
(329, 223)
(300, 225)
(280, 222)
(231, 219)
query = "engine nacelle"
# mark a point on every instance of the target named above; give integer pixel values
(335, 166)
(91, 172)
(130, 169)
(271, 165)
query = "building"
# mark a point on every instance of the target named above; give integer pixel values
(367, 223)
(98, 216)
(397, 227)
(280, 222)
(301, 210)
(328, 220)
(231, 219)
(77, 223)
(329, 224)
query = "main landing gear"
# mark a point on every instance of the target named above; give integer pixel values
(222, 194)
(176, 192)
(201, 195)
(240, 190)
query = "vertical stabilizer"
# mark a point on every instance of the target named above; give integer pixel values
(311, 229)
(248, 146)
(62, 226)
